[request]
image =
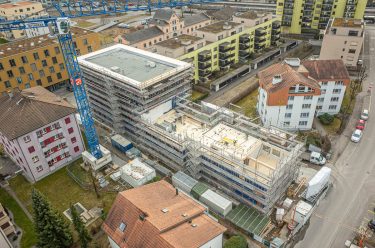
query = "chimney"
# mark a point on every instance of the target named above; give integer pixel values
(176, 191)
(10, 94)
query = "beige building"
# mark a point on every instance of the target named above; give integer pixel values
(343, 39)
(219, 30)
(6, 224)
(252, 18)
(19, 10)
(180, 45)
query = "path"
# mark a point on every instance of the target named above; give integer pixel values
(22, 206)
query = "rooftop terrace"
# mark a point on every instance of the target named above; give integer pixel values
(179, 41)
(219, 27)
(344, 22)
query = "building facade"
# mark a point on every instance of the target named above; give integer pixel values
(39, 131)
(6, 224)
(310, 16)
(38, 61)
(343, 39)
(292, 93)
(21, 10)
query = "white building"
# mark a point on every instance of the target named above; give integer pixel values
(291, 93)
(137, 173)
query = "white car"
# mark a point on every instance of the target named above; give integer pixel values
(364, 115)
(356, 136)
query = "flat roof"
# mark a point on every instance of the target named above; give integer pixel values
(132, 65)
(218, 27)
(179, 41)
(347, 22)
(17, 4)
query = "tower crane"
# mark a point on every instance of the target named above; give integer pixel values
(60, 26)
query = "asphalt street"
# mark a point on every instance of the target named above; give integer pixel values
(353, 193)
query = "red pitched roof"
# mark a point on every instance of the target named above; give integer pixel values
(332, 69)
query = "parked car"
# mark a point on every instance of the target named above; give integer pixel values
(364, 115)
(314, 157)
(356, 136)
(371, 225)
(360, 125)
(124, 25)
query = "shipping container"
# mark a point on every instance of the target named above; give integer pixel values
(216, 202)
(198, 190)
(183, 181)
(121, 143)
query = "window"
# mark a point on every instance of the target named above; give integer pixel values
(220, 37)
(339, 83)
(76, 149)
(324, 83)
(39, 168)
(35, 159)
(89, 48)
(44, 62)
(46, 53)
(62, 67)
(305, 106)
(322, 92)
(288, 115)
(10, 73)
(334, 99)
(57, 50)
(33, 67)
(39, 82)
(307, 97)
(24, 59)
(1, 66)
(54, 60)
(19, 80)
(12, 62)
(41, 73)
(70, 130)
(85, 42)
(290, 98)
(26, 139)
(67, 120)
(122, 226)
(31, 149)
(289, 106)
(22, 70)
(7, 84)
(319, 107)
(74, 140)
(49, 79)
(58, 75)
(321, 99)
(286, 123)
(27, 85)
(303, 123)
(332, 106)
(30, 76)
(336, 91)
(51, 69)
(304, 115)
(36, 56)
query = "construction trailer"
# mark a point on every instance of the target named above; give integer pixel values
(252, 164)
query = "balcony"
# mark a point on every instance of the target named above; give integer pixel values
(244, 38)
(276, 25)
(244, 46)
(225, 63)
(244, 54)
(204, 72)
(225, 47)
(275, 37)
(204, 56)
(260, 32)
(226, 55)
(204, 65)
(260, 40)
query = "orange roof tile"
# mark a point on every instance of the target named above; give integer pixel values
(331, 69)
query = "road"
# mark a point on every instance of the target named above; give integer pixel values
(353, 180)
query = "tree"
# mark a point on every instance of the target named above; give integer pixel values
(51, 229)
(236, 242)
(79, 226)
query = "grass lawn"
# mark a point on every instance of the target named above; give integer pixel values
(84, 24)
(20, 218)
(248, 104)
(61, 190)
(333, 127)
(3, 41)
(197, 95)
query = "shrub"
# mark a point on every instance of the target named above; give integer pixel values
(326, 119)
(237, 241)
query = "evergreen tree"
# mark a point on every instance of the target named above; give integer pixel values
(52, 230)
(84, 236)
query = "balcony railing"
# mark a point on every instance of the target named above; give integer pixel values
(204, 73)
(204, 65)
(204, 56)
(244, 39)
(244, 46)
(260, 32)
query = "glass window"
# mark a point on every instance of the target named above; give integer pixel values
(36, 56)
(49, 79)
(12, 62)
(27, 85)
(7, 84)
(10, 73)
(31, 149)
(22, 70)
(58, 75)
(67, 120)
(44, 62)
(70, 130)
(33, 67)
(24, 59)
(30, 76)
(46, 53)
(41, 73)
(1, 66)
(51, 69)
(54, 60)
(39, 82)
(62, 67)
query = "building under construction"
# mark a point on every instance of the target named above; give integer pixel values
(252, 164)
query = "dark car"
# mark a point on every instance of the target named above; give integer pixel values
(371, 225)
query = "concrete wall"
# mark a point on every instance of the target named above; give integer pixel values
(216, 242)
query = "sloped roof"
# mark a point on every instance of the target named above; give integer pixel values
(29, 110)
(224, 14)
(143, 34)
(163, 14)
(194, 19)
(327, 69)
(159, 229)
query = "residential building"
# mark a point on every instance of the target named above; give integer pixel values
(223, 14)
(310, 16)
(150, 108)
(21, 10)
(252, 18)
(6, 224)
(343, 39)
(39, 131)
(38, 61)
(291, 93)
(157, 215)
(4, 242)
(164, 25)
(228, 43)
(179, 46)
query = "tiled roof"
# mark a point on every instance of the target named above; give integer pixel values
(194, 19)
(147, 226)
(143, 34)
(29, 110)
(289, 77)
(16, 4)
(326, 69)
(163, 14)
(224, 14)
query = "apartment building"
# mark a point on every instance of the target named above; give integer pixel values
(343, 39)
(6, 224)
(311, 16)
(291, 93)
(164, 25)
(167, 218)
(39, 131)
(38, 61)
(179, 45)
(20, 10)
(228, 43)
(225, 148)
(252, 18)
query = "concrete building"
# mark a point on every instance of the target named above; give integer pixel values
(4, 242)
(159, 216)
(38, 61)
(6, 224)
(343, 39)
(137, 173)
(310, 16)
(21, 10)
(179, 46)
(291, 93)
(39, 131)
(164, 25)
(245, 160)
(252, 18)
